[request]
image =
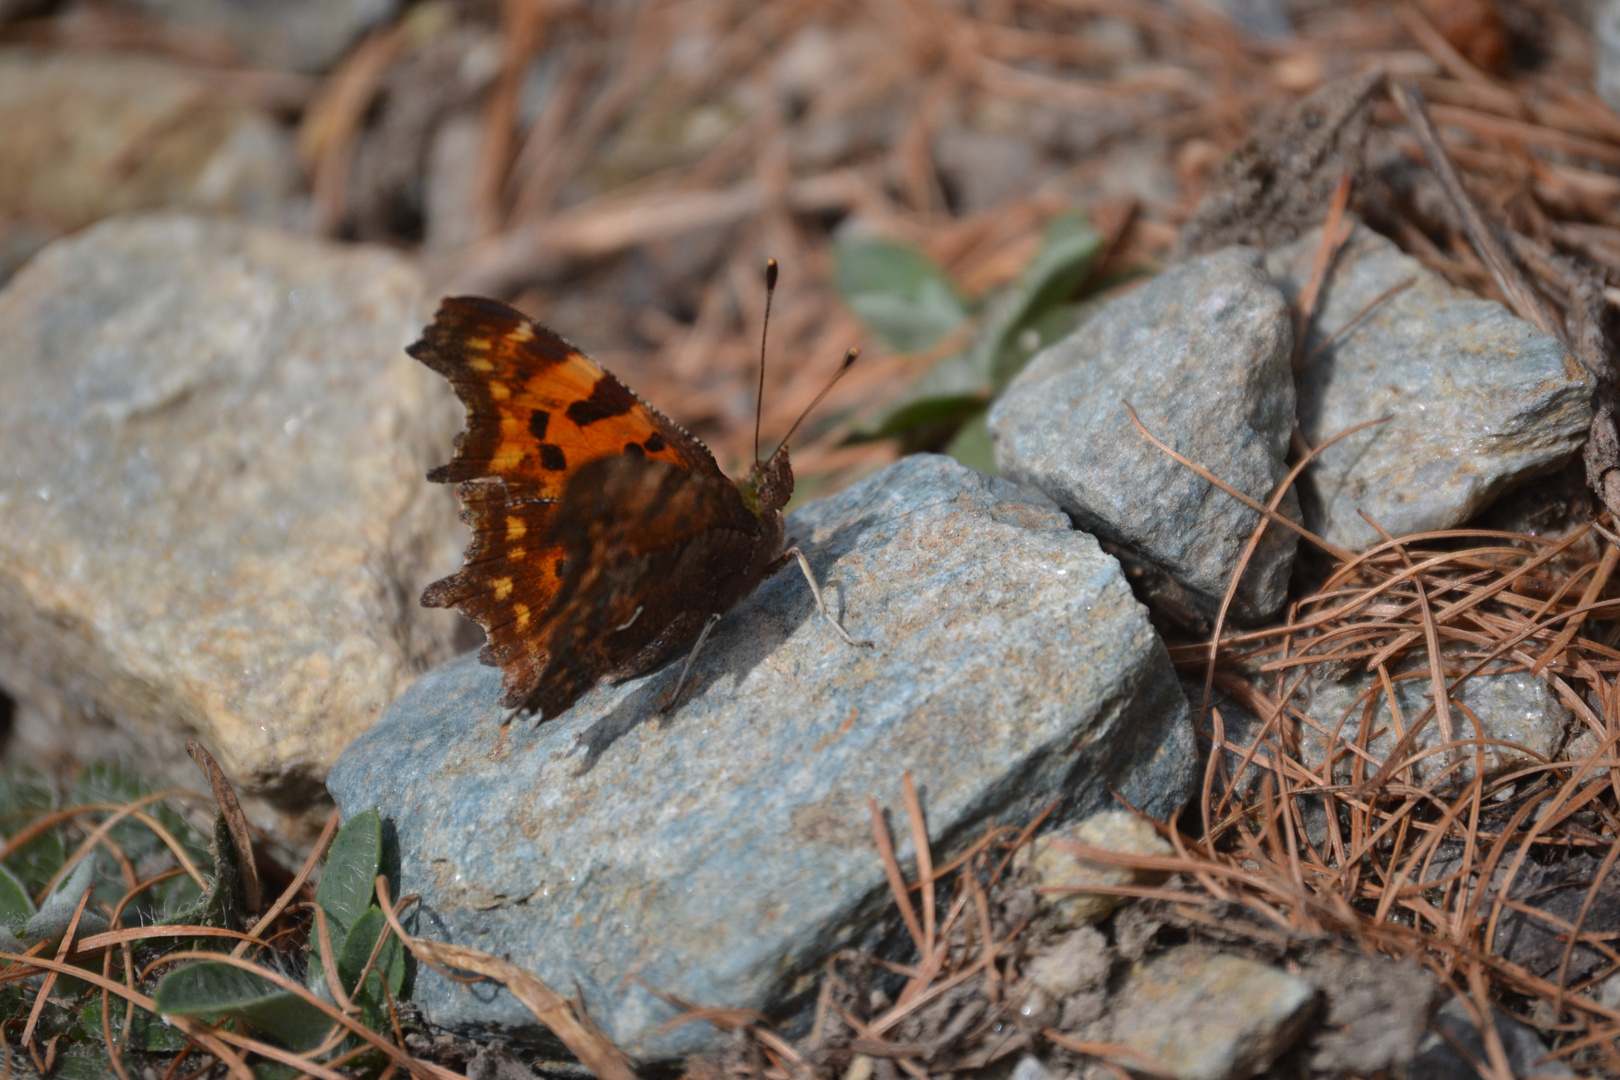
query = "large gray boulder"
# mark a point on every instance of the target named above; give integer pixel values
(723, 852)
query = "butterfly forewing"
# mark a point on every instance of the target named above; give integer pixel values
(562, 545)
(536, 406)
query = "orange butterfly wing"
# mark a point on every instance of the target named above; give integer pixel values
(538, 410)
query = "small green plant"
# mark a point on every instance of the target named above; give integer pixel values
(911, 304)
(366, 977)
(163, 958)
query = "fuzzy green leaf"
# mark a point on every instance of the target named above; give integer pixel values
(357, 950)
(901, 295)
(51, 921)
(349, 877)
(16, 906)
(211, 990)
(146, 1032)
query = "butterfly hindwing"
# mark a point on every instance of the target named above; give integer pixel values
(650, 551)
(510, 575)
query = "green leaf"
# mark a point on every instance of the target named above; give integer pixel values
(901, 295)
(87, 1061)
(274, 1070)
(972, 445)
(15, 904)
(24, 796)
(1017, 322)
(211, 990)
(1069, 249)
(51, 921)
(349, 877)
(357, 950)
(935, 405)
(108, 782)
(146, 1032)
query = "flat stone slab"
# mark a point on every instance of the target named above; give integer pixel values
(1479, 400)
(1202, 354)
(722, 853)
(216, 523)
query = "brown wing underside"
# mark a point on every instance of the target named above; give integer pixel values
(539, 414)
(650, 552)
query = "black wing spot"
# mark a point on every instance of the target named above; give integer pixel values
(561, 568)
(608, 398)
(538, 420)
(655, 442)
(552, 457)
(634, 450)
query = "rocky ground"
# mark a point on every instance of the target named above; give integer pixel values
(1321, 373)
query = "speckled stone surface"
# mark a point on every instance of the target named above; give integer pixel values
(1480, 399)
(1517, 711)
(1205, 1015)
(1202, 354)
(723, 853)
(212, 449)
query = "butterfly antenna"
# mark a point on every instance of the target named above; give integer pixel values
(765, 329)
(849, 362)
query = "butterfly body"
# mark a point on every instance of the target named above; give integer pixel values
(605, 536)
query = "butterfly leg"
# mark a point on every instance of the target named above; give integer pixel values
(686, 669)
(815, 590)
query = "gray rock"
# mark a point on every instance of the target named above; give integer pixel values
(1606, 31)
(1376, 1010)
(1480, 400)
(1438, 1059)
(1205, 1015)
(1240, 727)
(304, 35)
(1202, 354)
(1515, 708)
(216, 519)
(89, 135)
(721, 854)
(1051, 866)
(1076, 962)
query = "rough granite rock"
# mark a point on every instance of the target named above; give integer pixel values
(1205, 1015)
(1480, 400)
(1516, 710)
(216, 519)
(721, 854)
(89, 135)
(1202, 353)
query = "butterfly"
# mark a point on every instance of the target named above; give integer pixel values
(606, 539)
